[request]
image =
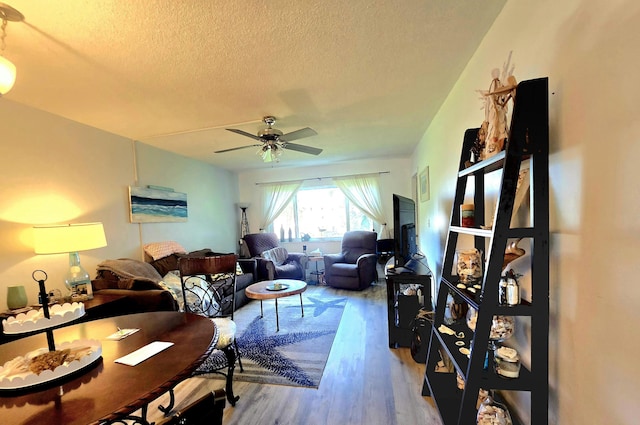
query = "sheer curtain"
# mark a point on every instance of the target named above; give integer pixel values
(276, 196)
(364, 192)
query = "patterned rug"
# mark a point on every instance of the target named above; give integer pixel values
(297, 354)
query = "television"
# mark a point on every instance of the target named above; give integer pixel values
(404, 230)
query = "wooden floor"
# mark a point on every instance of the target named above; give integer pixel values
(364, 382)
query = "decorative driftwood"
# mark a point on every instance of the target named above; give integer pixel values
(494, 129)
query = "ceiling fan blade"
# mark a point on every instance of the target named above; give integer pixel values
(298, 134)
(243, 133)
(302, 148)
(235, 149)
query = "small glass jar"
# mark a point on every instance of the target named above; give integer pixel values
(502, 327)
(469, 265)
(506, 362)
(491, 412)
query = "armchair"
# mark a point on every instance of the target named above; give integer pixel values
(273, 261)
(355, 267)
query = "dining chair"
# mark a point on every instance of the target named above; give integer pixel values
(208, 289)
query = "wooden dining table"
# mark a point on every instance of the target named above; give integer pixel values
(105, 391)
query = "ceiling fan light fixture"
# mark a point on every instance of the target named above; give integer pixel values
(274, 141)
(7, 68)
(7, 75)
(270, 152)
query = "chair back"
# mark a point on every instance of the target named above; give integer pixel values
(356, 243)
(257, 243)
(209, 284)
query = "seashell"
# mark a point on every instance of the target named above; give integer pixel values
(446, 330)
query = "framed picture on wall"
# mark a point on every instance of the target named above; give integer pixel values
(423, 185)
(150, 205)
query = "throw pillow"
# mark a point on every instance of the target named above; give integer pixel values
(158, 250)
(278, 255)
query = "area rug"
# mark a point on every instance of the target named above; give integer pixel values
(297, 354)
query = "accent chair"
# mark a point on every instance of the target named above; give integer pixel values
(355, 267)
(274, 261)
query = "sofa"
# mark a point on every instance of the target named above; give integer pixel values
(155, 285)
(247, 274)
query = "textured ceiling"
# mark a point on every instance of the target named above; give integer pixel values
(368, 76)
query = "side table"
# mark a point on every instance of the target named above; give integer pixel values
(102, 306)
(317, 273)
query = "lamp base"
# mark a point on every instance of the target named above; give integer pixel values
(77, 280)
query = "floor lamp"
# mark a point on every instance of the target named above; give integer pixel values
(244, 230)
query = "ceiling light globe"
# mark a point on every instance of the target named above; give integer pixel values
(7, 75)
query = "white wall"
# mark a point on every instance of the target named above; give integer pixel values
(397, 180)
(212, 194)
(589, 51)
(58, 171)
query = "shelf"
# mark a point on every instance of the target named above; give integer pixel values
(487, 166)
(520, 232)
(475, 231)
(523, 309)
(402, 309)
(528, 139)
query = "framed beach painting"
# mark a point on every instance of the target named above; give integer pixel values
(149, 205)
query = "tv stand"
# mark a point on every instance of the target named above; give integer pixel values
(402, 303)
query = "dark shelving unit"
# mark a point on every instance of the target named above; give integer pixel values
(528, 141)
(402, 309)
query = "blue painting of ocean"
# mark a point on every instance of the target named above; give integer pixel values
(157, 206)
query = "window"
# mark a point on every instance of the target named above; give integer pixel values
(320, 212)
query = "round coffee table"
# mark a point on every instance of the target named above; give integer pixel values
(266, 290)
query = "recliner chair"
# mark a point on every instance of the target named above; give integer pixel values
(355, 267)
(280, 265)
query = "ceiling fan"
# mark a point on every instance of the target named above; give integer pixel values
(273, 141)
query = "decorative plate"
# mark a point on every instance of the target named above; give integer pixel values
(282, 287)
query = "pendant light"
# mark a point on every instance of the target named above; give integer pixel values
(7, 68)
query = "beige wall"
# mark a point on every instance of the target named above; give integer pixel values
(58, 171)
(589, 51)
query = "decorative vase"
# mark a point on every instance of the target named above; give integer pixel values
(16, 297)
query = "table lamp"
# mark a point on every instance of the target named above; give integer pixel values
(71, 238)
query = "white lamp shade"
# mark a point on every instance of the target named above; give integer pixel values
(7, 75)
(68, 238)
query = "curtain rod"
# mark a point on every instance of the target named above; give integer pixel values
(325, 177)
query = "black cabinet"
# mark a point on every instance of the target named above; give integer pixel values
(528, 141)
(406, 294)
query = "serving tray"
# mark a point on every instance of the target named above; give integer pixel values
(30, 379)
(34, 320)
